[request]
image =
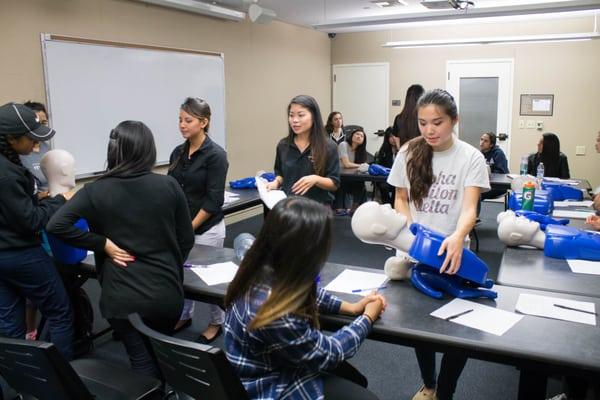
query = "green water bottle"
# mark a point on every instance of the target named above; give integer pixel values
(528, 196)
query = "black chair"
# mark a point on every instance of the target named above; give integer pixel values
(38, 369)
(199, 371)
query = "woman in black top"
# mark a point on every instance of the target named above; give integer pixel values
(555, 162)
(406, 125)
(200, 166)
(25, 268)
(140, 233)
(385, 157)
(306, 161)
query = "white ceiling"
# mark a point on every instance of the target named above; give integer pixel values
(355, 15)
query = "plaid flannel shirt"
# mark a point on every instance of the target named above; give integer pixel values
(283, 360)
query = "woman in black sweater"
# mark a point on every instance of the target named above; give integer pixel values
(140, 232)
(26, 270)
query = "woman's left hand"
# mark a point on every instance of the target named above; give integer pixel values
(359, 306)
(453, 246)
(303, 184)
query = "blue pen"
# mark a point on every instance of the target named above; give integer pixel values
(364, 290)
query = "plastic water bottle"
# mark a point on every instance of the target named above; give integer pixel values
(523, 166)
(540, 172)
(241, 244)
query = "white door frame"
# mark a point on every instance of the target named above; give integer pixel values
(503, 90)
(386, 66)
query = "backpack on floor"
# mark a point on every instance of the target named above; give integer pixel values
(83, 322)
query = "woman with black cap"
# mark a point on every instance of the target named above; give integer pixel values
(26, 270)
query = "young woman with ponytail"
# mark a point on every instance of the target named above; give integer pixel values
(200, 166)
(272, 335)
(26, 270)
(438, 180)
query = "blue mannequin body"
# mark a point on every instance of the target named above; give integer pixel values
(427, 278)
(376, 169)
(543, 202)
(250, 182)
(571, 243)
(543, 220)
(64, 253)
(562, 192)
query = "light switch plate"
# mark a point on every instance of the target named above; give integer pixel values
(530, 124)
(580, 150)
(521, 124)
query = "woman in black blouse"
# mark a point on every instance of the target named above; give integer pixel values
(306, 161)
(200, 166)
(555, 162)
(140, 233)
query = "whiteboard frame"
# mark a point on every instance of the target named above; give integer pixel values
(46, 37)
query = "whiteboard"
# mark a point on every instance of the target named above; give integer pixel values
(91, 86)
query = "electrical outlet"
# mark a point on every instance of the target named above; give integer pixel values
(530, 124)
(580, 150)
(521, 124)
(539, 125)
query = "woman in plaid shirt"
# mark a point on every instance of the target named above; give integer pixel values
(272, 335)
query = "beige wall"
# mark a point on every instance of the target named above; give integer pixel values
(568, 70)
(265, 65)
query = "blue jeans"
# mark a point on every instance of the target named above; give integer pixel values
(450, 370)
(31, 273)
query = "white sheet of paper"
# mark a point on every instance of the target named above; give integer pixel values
(269, 197)
(541, 105)
(565, 181)
(215, 274)
(584, 266)
(571, 214)
(584, 203)
(484, 318)
(544, 306)
(230, 197)
(349, 280)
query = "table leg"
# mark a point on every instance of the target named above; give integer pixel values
(532, 385)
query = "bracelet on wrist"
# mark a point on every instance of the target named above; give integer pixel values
(369, 318)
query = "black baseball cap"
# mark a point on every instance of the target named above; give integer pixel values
(17, 119)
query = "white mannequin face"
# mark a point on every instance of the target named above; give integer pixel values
(515, 231)
(377, 223)
(59, 168)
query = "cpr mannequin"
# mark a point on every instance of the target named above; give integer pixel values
(558, 241)
(380, 224)
(59, 168)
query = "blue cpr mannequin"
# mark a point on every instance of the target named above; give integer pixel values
(250, 182)
(543, 202)
(426, 278)
(571, 243)
(378, 170)
(561, 192)
(543, 220)
(64, 253)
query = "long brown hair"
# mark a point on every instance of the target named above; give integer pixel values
(288, 254)
(419, 166)
(317, 137)
(406, 125)
(197, 108)
(329, 124)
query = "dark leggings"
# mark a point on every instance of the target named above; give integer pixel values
(346, 383)
(450, 370)
(139, 350)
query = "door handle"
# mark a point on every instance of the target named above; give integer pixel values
(502, 136)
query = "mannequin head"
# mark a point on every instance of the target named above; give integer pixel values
(516, 231)
(380, 224)
(59, 167)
